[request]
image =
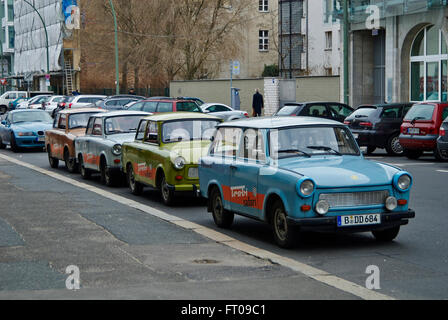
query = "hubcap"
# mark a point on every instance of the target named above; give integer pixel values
(165, 190)
(281, 227)
(396, 146)
(218, 207)
(131, 179)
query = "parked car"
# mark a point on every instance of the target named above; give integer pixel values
(301, 172)
(13, 104)
(38, 102)
(442, 141)
(223, 111)
(165, 105)
(132, 96)
(83, 101)
(420, 129)
(198, 101)
(60, 141)
(114, 104)
(52, 103)
(8, 97)
(99, 150)
(24, 129)
(328, 110)
(165, 153)
(61, 105)
(378, 126)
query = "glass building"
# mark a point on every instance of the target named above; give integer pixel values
(7, 38)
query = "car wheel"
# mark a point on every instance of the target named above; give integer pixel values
(2, 146)
(222, 217)
(85, 173)
(412, 154)
(54, 163)
(386, 235)
(106, 176)
(14, 146)
(284, 234)
(69, 163)
(370, 149)
(3, 109)
(167, 193)
(135, 186)
(439, 156)
(393, 146)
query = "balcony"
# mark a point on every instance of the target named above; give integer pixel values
(6, 22)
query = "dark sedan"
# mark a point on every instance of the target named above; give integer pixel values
(442, 141)
(328, 110)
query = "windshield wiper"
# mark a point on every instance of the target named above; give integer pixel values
(415, 119)
(295, 150)
(325, 149)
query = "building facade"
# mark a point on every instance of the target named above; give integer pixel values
(7, 42)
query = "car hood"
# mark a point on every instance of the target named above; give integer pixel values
(121, 137)
(31, 126)
(341, 171)
(190, 150)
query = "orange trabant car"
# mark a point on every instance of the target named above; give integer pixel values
(60, 141)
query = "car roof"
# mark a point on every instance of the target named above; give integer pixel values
(279, 122)
(26, 110)
(385, 105)
(81, 110)
(123, 113)
(167, 116)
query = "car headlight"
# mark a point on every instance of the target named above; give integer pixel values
(305, 187)
(25, 134)
(402, 182)
(391, 203)
(179, 163)
(116, 149)
(322, 207)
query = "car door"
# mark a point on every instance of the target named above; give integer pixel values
(339, 112)
(390, 120)
(83, 143)
(5, 134)
(148, 160)
(165, 107)
(244, 173)
(222, 158)
(150, 106)
(138, 106)
(93, 157)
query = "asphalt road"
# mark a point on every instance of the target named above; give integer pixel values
(414, 266)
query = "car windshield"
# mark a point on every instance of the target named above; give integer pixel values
(79, 120)
(122, 124)
(188, 106)
(188, 130)
(286, 110)
(309, 141)
(420, 112)
(31, 116)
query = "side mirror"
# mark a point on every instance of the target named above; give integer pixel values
(4, 122)
(206, 111)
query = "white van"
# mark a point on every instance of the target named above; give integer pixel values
(9, 96)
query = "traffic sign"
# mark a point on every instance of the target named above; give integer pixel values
(236, 66)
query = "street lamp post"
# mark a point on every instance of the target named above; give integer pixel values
(346, 67)
(46, 35)
(117, 65)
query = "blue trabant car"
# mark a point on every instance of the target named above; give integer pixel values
(301, 173)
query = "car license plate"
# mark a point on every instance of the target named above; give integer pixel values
(413, 130)
(41, 139)
(193, 173)
(359, 220)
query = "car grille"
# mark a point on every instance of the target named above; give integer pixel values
(355, 199)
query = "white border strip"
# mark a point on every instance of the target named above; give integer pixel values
(314, 273)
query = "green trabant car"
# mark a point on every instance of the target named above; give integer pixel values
(166, 151)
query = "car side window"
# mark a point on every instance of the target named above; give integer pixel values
(22, 95)
(141, 130)
(390, 113)
(62, 124)
(152, 134)
(445, 113)
(252, 146)
(317, 110)
(226, 142)
(150, 106)
(218, 108)
(165, 107)
(89, 129)
(84, 100)
(339, 109)
(136, 107)
(97, 127)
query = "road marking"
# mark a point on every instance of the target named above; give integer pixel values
(444, 171)
(312, 272)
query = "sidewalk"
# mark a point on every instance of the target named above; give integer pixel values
(121, 252)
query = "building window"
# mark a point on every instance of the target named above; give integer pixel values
(428, 69)
(328, 40)
(263, 40)
(263, 5)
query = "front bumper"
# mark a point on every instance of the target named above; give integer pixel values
(186, 188)
(329, 224)
(29, 142)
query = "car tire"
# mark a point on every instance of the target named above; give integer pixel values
(85, 173)
(135, 186)
(54, 163)
(70, 164)
(438, 155)
(106, 176)
(386, 235)
(14, 146)
(222, 217)
(285, 235)
(370, 149)
(412, 154)
(3, 109)
(393, 146)
(166, 192)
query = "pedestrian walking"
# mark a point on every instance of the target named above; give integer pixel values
(257, 103)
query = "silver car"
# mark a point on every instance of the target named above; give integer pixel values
(223, 111)
(100, 149)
